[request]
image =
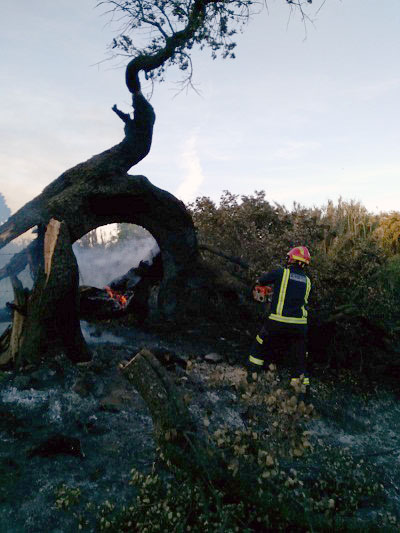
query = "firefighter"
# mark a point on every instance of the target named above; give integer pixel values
(287, 318)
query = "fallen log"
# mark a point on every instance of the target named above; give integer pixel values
(181, 442)
(174, 428)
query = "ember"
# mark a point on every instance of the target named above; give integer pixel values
(120, 298)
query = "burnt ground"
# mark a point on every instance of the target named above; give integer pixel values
(85, 427)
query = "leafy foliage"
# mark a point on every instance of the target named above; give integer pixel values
(388, 232)
(162, 33)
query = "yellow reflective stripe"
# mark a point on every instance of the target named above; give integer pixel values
(282, 292)
(259, 339)
(295, 380)
(308, 289)
(256, 361)
(306, 381)
(288, 319)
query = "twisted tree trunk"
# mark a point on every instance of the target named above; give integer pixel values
(92, 194)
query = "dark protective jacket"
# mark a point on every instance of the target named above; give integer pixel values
(291, 291)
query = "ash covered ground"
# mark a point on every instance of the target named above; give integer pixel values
(103, 429)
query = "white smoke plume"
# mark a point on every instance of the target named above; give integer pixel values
(98, 266)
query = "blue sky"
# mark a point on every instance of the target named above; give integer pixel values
(306, 120)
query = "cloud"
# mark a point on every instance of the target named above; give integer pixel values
(193, 174)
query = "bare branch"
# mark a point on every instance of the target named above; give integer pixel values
(232, 259)
(123, 116)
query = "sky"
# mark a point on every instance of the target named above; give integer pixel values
(306, 116)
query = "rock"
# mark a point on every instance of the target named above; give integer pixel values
(56, 445)
(213, 358)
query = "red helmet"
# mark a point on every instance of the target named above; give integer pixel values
(299, 253)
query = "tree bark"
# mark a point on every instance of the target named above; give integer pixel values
(52, 320)
(174, 428)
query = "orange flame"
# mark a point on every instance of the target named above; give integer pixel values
(120, 298)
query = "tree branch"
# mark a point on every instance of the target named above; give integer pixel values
(148, 62)
(123, 116)
(230, 258)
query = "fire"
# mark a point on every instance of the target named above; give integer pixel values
(120, 298)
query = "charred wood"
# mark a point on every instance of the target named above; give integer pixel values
(133, 199)
(150, 271)
(97, 303)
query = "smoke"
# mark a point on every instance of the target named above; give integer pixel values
(98, 266)
(193, 173)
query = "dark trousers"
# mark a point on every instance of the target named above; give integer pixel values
(279, 337)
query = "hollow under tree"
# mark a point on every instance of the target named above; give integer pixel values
(100, 191)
